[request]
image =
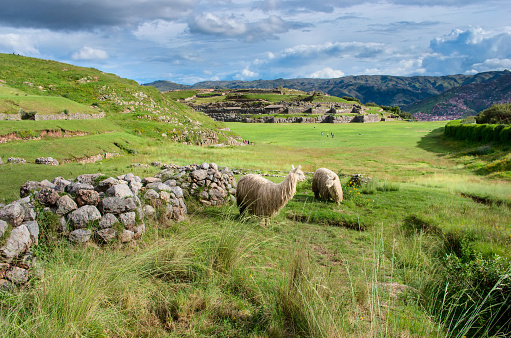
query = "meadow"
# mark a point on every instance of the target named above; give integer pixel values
(421, 251)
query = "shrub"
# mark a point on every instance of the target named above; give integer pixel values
(28, 115)
(496, 114)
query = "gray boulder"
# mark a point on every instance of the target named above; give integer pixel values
(74, 187)
(17, 243)
(88, 178)
(148, 210)
(128, 219)
(13, 214)
(65, 205)
(17, 275)
(199, 175)
(106, 235)
(80, 235)
(33, 229)
(107, 221)
(104, 185)
(120, 190)
(127, 236)
(116, 205)
(151, 194)
(60, 183)
(3, 227)
(177, 191)
(83, 216)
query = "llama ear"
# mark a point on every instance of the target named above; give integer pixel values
(329, 183)
(292, 167)
(299, 167)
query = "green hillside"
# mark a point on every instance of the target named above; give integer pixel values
(47, 88)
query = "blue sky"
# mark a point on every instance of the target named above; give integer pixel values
(187, 41)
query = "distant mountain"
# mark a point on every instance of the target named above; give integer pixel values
(464, 100)
(382, 89)
(165, 86)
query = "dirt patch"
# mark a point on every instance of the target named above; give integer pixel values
(39, 134)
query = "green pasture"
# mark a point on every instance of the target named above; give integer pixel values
(421, 251)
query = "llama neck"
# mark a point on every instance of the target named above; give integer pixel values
(288, 186)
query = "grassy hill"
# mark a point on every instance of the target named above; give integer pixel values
(50, 88)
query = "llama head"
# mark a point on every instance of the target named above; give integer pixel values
(298, 172)
(329, 183)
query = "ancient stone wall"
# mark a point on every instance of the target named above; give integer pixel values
(93, 207)
(61, 116)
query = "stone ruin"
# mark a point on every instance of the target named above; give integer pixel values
(206, 182)
(46, 161)
(102, 209)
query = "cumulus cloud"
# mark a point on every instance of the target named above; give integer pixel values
(246, 74)
(239, 27)
(463, 50)
(19, 44)
(89, 54)
(327, 73)
(330, 50)
(85, 15)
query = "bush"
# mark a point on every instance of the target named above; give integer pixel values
(496, 114)
(28, 115)
(350, 98)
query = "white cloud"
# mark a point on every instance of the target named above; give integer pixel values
(246, 74)
(19, 44)
(239, 27)
(90, 54)
(467, 49)
(327, 73)
(159, 31)
(210, 23)
(491, 64)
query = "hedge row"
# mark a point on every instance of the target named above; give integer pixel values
(478, 132)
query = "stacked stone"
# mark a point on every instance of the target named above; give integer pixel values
(16, 160)
(46, 161)
(94, 208)
(18, 224)
(208, 183)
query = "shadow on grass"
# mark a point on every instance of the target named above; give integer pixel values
(433, 142)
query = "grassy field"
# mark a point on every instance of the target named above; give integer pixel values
(422, 251)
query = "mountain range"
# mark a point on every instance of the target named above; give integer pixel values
(453, 95)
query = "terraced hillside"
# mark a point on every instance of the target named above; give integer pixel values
(55, 91)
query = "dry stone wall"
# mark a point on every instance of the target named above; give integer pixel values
(61, 116)
(93, 207)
